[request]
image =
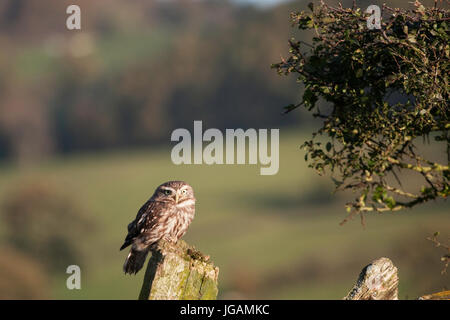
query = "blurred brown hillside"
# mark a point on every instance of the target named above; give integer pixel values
(136, 71)
(139, 69)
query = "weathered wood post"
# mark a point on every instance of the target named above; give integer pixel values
(377, 281)
(443, 295)
(179, 272)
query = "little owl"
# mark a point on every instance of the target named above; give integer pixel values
(166, 215)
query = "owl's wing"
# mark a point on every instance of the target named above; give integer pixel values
(145, 219)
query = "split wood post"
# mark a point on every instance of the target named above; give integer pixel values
(179, 272)
(443, 295)
(377, 281)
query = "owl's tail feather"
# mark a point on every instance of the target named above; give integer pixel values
(135, 261)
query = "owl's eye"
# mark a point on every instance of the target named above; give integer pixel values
(167, 192)
(183, 191)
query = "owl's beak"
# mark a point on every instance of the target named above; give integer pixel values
(176, 197)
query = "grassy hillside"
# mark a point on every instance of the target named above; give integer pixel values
(272, 236)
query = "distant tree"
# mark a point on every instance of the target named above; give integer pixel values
(21, 277)
(46, 225)
(372, 140)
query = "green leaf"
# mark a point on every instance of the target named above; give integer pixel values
(359, 73)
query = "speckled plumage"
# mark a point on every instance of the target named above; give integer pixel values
(166, 215)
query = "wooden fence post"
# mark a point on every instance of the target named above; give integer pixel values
(377, 281)
(443, 295)
(179, 272)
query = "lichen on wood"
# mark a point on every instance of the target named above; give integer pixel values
(377, 281)
(179, 272)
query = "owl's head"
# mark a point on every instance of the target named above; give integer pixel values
(174, 191)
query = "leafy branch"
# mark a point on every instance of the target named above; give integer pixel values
(371, 140)
(446, 257)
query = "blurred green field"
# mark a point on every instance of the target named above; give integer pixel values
(273, 237)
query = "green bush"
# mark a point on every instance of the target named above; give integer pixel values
(371, 140)
(45, 224)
